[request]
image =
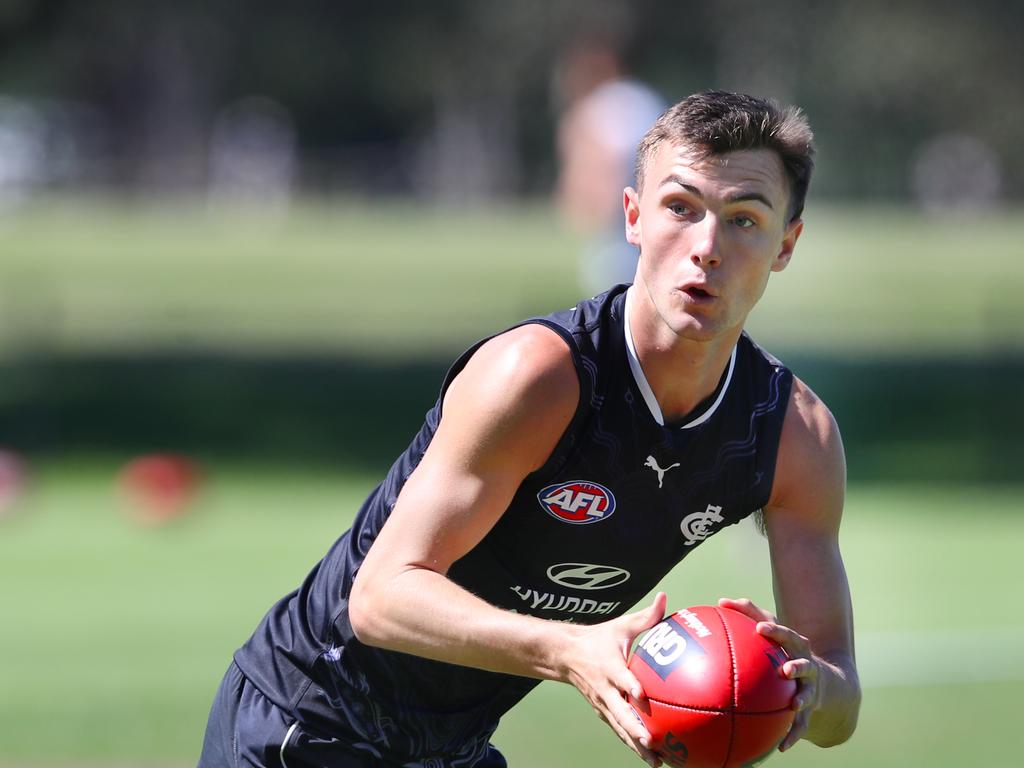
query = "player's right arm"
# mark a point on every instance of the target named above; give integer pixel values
(502, 417)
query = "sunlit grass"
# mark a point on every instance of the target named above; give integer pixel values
(115, 635)
(86, 276)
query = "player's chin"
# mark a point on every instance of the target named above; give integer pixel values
(699, 318)
(694, 327)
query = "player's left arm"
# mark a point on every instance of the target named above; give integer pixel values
(812, 594)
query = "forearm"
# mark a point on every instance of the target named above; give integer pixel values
(460, 628)
(835, 719)
(421, 612)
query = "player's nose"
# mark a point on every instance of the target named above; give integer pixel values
(704, 247)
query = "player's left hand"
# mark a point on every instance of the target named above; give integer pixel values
(803, 666)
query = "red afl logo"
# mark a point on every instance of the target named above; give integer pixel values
(578, 502)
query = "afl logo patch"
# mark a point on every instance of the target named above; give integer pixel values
(578, 502)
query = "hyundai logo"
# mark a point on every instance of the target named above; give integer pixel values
(586, 576)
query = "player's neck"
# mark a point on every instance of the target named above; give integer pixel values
(684, 374)
(681, 372)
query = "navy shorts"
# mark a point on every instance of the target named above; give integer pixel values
(247, 730)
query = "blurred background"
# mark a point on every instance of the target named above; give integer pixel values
(241, 242)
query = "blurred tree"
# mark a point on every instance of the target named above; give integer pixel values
(454, 98)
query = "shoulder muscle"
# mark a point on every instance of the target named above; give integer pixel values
(502, 416)
(517, 393)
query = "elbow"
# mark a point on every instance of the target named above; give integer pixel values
(380, 606)
(840, 735)
(365, 621)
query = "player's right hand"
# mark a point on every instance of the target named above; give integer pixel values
(803, 666)
(597, 668)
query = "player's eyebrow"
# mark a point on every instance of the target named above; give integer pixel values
(756, 196)
(741, 197)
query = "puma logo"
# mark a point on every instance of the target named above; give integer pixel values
(661, 472)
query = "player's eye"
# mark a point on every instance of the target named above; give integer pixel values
(743, 222)
(679, 209)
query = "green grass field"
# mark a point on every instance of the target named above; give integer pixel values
(115, 635)
(395, 278)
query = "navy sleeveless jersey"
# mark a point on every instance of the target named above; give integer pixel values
(620, 501)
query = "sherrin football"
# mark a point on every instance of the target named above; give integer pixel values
(716, 697)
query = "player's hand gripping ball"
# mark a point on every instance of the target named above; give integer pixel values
(715, 691)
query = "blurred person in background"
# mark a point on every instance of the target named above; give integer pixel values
(568, 464)
(606, 112)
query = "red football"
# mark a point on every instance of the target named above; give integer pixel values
(716, 697)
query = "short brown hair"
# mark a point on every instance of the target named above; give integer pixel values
(716, 122)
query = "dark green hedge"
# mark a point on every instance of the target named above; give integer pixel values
(922, 420)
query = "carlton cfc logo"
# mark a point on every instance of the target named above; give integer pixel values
(578, 502)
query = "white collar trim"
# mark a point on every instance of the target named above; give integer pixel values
(645, 388)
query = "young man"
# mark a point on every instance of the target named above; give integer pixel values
(568, 465)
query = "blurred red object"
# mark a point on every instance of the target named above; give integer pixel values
(159, 487)
(12, 480)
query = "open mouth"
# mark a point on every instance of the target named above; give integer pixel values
(697, 293)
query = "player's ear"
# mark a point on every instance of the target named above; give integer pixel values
(789, 238)
(631, 207)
